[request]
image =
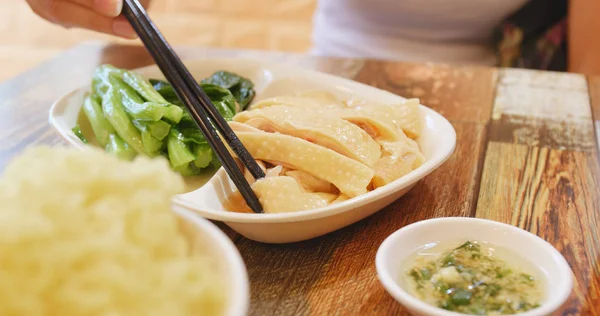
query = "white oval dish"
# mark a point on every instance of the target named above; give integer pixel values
(437, 142)
(208, 238)
(394, 251)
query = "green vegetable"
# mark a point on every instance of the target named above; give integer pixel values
(130, 115)
(152, 145)
(461, 297)
(100, 125)
(179, 152)
(143, 87)
(204, 155)
(77, 131)
(135, 91)
(527, 278)
(221, 98)
(415, 275)
(119, 148)
(469, 246)
(500, 273)
(425, 274)
(441, 287)
(100, 84)
(159, 130)
(241, 88)
(113, 110)
(493, 289)
(166, 91)
(449, 260)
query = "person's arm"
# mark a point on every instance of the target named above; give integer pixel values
(584, 36)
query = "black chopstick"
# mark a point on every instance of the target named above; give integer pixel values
(196, 101)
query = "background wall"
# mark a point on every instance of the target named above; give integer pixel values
(285, 25)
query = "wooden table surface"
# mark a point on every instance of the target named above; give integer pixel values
(527, 154)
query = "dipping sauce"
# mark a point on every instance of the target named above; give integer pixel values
(473, 279)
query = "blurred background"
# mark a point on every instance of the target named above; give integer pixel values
(256, 24)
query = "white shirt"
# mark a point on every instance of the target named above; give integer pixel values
(449, 31)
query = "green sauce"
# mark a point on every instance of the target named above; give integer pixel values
(472, 280)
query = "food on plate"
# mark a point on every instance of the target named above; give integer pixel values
(87, 233)
(473, 279)
(129, 116)
(318, 150)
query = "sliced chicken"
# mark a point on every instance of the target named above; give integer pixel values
(340, 198)
(321, 97)
(399, 159)
(400, 154)
(295, 101)
(311, 183)
(349, 176)
(283, 194)
(247, 173)
(402, 116)
(241, 127)
(320, 127)
(317, 150)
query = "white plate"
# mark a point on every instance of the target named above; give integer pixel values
(205, 237)
(437, 142)
(553, 269)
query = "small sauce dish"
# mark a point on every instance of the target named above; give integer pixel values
(398, 254)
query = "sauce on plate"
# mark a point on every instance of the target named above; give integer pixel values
(474, 278)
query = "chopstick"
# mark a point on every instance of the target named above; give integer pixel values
(196, 101)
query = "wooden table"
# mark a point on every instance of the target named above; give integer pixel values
(527, 154)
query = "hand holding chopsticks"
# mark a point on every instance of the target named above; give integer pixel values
(197, 102)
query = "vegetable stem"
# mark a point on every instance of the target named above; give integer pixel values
(101, 127)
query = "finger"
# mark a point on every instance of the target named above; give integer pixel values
(70, 14)
(123, 28)
(109, 8)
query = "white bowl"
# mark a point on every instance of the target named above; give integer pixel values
(437, 142)
(205, 237)
(398, 247)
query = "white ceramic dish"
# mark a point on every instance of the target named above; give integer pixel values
(208, 238)
(398, 247)
(437, 143)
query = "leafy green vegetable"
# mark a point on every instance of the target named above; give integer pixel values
(119, 148)
(241, 88)
(112, 107)
(221, 98)
(77, 131)
(101, 127)
(179, 152)
(159, 130)
(166, 91)
(130, 115)
(204, 155)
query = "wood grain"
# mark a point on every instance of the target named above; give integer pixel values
(594, 87)
(335, 274)
(544, 176)
(457, 93)
(543, 109)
